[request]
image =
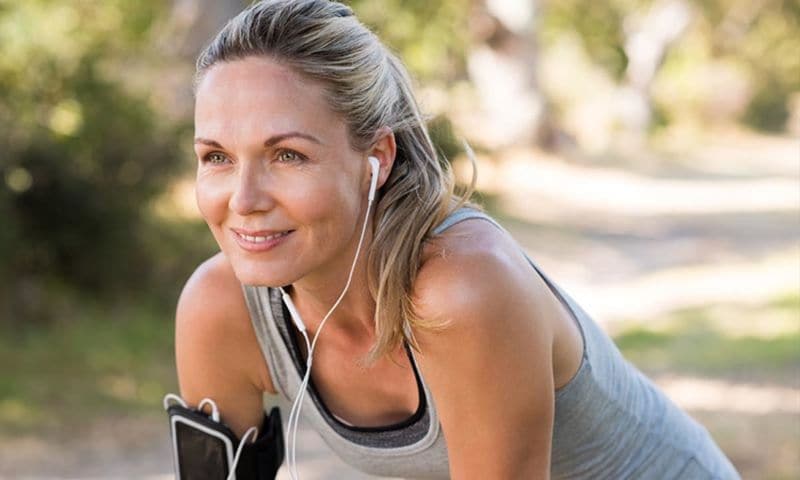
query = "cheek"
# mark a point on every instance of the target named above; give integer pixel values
(309, 195)
(330, 206)
(316, 206)
(212, 200)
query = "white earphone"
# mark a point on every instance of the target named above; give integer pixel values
(294, 414)
(373, 181)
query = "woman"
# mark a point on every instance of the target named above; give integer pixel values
(449, 353)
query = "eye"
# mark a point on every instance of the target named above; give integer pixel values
(290, 156)
(215, 158)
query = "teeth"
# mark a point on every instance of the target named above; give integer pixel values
(261, 239)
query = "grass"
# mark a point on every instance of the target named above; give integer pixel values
(78, 358)
(754, 343)
(103, 361)
(789, 301)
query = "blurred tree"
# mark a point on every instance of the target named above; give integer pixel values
(766, 35)
(755, 40)
(503, 62)
(431, 37)
(492, 45)
(599, 25)
(82, 152)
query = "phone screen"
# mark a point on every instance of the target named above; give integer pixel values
(200, 456)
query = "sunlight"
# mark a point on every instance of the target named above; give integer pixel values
(722, 396)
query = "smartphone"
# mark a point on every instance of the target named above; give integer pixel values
(201, 452)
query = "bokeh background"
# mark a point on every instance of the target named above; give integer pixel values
(645, 153)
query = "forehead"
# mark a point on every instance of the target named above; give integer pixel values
(259, 96)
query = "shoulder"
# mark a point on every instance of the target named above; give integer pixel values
(212, 302)
(483, 301)
(212, 320)
(214, 276)
(472, 276)
(490, 346)
(212, 286)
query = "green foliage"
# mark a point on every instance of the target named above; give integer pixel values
(599, 25)
(430, 37)
(444, 138)
(770, 48)
(83, 152)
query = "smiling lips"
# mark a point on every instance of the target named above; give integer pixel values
(261, 240)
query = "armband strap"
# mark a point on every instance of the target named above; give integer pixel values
(262, 458)
(204, 448)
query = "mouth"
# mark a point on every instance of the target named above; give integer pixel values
(263, 238)
(259, 240)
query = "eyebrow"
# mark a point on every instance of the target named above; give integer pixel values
(271, 141)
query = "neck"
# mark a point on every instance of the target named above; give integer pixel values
(315, 294)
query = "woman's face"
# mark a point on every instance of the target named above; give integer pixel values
(277, 181)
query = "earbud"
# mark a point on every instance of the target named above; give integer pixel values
(373, 183)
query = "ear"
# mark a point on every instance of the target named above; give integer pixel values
(384, 149)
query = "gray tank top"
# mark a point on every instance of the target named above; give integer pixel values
(610, 422)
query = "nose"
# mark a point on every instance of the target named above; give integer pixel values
(251, 192)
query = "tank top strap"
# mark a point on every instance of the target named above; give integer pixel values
(463, 213)
(466, 213)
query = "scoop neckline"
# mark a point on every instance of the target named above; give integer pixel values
(299, 364)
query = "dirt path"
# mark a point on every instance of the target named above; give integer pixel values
(134, 448)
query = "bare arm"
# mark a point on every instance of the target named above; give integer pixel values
(216, 350)
(490, 369)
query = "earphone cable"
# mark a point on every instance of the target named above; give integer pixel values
(290, 449)
(292, 429)
(232, 471)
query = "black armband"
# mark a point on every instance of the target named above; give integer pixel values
(205, 448)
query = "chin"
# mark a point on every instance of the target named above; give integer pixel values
(261, 274)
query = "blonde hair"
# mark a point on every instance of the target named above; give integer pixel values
(369, 88)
